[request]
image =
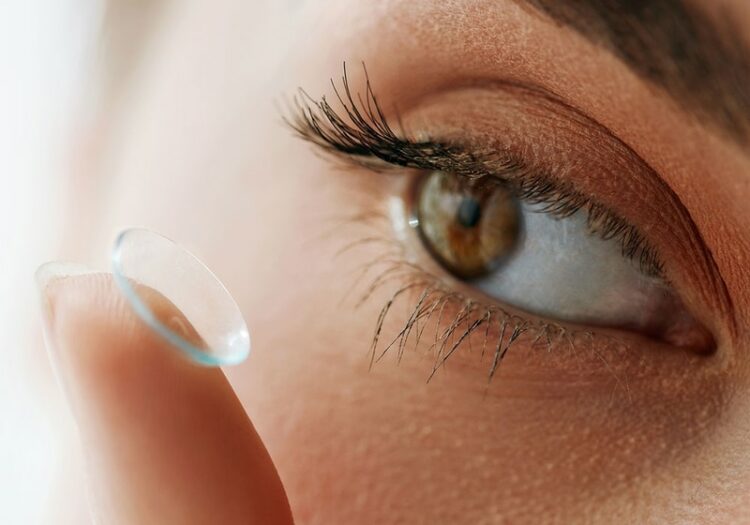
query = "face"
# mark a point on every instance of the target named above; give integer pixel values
(505, 285)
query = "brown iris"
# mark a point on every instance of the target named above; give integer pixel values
(469, 226)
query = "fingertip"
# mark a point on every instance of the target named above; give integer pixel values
(95, 339)
(170, 440)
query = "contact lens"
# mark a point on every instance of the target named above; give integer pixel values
(143, 261)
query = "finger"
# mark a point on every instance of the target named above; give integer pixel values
(167, 440)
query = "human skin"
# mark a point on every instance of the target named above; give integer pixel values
(197, 152)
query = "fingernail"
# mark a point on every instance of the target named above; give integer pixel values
(52, 270)
(46, 276)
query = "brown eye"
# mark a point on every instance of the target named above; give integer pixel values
(470, 227)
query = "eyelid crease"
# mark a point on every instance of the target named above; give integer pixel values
(366, 139)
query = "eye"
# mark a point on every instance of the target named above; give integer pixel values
(535, 217)
(524, 255)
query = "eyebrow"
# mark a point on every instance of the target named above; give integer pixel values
(702, 62)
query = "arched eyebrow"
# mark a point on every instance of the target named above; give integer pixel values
(700, 61)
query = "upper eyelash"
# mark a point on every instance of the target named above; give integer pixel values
(366, 138)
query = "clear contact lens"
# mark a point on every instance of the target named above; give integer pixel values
(143, 261)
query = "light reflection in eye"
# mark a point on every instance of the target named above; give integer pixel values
(554, 267)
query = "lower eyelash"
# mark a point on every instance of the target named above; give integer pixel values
(454, 318)
(469, 317)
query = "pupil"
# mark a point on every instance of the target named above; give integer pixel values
(469, 212)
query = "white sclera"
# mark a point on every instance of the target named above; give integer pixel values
(144, 257)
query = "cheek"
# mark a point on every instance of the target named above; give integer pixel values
(385, 444)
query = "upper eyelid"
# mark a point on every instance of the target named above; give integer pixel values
(368, 135)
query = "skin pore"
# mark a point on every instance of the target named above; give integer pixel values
(198, 152)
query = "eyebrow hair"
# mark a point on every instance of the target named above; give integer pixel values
(702, 62)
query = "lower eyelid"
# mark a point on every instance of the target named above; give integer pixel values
(418, 311)
(375, 262)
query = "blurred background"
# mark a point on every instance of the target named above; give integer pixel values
(64, 64)
(71, 70)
